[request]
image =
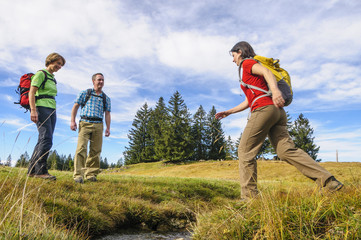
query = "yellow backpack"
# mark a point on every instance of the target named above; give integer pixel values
(282, 77)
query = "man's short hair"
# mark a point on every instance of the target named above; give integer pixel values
(96, 74)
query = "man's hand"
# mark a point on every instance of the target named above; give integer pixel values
(73, 126)
(107, 132)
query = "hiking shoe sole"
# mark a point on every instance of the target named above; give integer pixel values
(45, 176)
(333, 185)
(92, 179)
(79, 180)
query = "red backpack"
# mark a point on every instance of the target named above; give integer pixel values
(24, 87)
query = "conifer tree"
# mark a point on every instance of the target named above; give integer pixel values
(104, 163)
(119, 163)
(51, 161)
(141, 146)
(158, 128)
(236, 145)
(199, 135)
(69, 163)
(23, 160)
(230, 149)
(266, 148)
(60, 160)
(216, 137)
(8, 161)
(302, 135)
(178, 136)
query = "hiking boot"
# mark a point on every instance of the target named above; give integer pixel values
(45, 176)
(333, 185)
(92, 179)
(79, 180)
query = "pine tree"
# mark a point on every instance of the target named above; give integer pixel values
(158, 128)
(69, 163)
(301, 133)
(60, 162)
(23, 160)
(216, 137)
(266, 148)
(236, 145)
(199, 135)
(51, 161)
(178, 136)
(8, 161)
(119, 163)
(230, 149)
(104, 163)
(141, 146)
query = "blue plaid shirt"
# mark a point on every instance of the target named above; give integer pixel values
(93, 107)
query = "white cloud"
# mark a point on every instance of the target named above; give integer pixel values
(12, 121)
(236, 91)
(196, 52)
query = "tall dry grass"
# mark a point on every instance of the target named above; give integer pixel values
(22, 214)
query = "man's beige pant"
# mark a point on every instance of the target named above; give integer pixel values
(272, 121)
(88, 166)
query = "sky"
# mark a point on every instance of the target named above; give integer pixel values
(150, 49)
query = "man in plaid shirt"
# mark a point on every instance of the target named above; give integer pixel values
(94, 103)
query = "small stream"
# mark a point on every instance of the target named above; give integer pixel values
(149, 236)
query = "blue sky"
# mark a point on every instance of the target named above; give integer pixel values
(148, 49)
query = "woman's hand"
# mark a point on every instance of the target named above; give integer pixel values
(277, 98)
(34, 116)
(239, 108)
(221, 115)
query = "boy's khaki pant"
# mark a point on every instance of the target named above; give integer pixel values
(88, 165)
(272, 121)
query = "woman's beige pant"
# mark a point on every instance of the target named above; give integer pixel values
(272, 121)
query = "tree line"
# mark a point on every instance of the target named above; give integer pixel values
(169, 132)
(60, 162)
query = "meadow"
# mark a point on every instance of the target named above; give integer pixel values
(201, 197)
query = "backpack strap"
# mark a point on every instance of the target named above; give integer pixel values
(104, 101)
(43, 96)
(251, 87)
(87, 97)
(43, 86)
(46, 79)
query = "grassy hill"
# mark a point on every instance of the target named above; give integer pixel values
(202, 197)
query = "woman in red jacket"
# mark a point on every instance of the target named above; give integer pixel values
(267, 118)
